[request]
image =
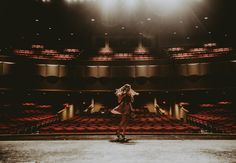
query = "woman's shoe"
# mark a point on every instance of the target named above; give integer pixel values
(118, 138)
(124, 139)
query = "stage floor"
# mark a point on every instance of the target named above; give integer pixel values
(104, 151)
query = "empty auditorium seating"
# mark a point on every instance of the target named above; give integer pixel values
(122, 56)
(141, 123)
(26, 119)
(215, 119)
(47, 54)
(207, 51)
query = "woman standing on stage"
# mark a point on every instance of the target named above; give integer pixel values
(125, 96)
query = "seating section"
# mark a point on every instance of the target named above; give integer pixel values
(26, 119)
(216, 120)
(31, 118)
(122, 56)
(40, 53)
(148, 123)
(208, 51)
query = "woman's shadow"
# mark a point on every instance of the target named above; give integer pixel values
(126, 142)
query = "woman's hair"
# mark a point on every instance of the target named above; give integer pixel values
(125, 89)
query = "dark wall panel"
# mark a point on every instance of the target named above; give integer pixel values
(220, 68)
(78, 72)
(233, 67)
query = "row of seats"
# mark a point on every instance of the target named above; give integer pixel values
(26, 119)
(141, 123)
(220, 120)
(112, 128)
(118, 57)
(194, 56)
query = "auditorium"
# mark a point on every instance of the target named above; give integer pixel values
(118, 81)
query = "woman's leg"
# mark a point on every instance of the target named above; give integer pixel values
(121, 124)
(118, 132)
(125, 123)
